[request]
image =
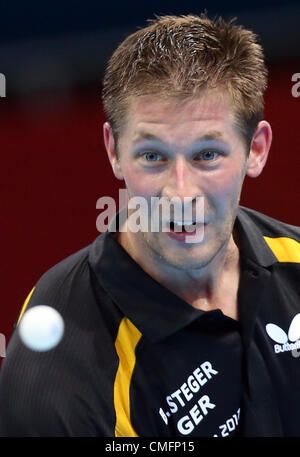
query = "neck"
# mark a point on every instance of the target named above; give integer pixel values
(212, 286)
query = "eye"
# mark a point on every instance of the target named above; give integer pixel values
(207, 155)
(152, 156)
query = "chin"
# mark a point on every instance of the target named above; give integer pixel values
(195, 257)
(189, 262)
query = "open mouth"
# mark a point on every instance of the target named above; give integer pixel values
(186, 231)
(183, 226)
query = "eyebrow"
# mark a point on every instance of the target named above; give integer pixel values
(213, 135)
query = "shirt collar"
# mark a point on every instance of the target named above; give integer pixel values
(152, 308)
(251, 242)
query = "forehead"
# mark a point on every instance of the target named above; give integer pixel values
(150, 115)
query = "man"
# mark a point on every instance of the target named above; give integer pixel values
(167, 334)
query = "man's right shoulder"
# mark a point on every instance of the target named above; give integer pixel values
(59, 392)
(65, 280)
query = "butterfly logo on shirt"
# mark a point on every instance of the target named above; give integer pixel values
(280, 336)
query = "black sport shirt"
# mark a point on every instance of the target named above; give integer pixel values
(136, 360)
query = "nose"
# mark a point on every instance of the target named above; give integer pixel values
(181, 182)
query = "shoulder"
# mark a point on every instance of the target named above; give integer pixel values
(57, 392)
(281, 238)
(64, 272)
(269, 226)
(67, 281)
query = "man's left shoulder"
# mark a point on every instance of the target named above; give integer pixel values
(282, 239)
(269, 226)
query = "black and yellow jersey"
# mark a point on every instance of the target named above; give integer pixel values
(136, 360)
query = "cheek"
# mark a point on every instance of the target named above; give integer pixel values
(140, 184)
(140, 188)
(224, 190)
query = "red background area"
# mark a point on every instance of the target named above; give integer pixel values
(54, 168)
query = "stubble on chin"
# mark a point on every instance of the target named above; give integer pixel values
(183, 257)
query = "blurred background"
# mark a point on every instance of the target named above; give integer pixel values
(53, 162)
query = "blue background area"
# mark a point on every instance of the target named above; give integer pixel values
(33, 19)
(66, 44)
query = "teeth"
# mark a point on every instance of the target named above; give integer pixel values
(182, 223)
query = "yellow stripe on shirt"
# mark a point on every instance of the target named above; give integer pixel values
(25, 304)
(126, 342)
(285, 249)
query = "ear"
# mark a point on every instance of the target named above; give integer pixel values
(111, 150)
(260, 146)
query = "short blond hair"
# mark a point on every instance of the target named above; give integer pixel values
(182, 56)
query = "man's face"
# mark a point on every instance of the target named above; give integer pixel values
(171, 149)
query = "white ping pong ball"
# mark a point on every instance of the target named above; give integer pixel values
(41, 328)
